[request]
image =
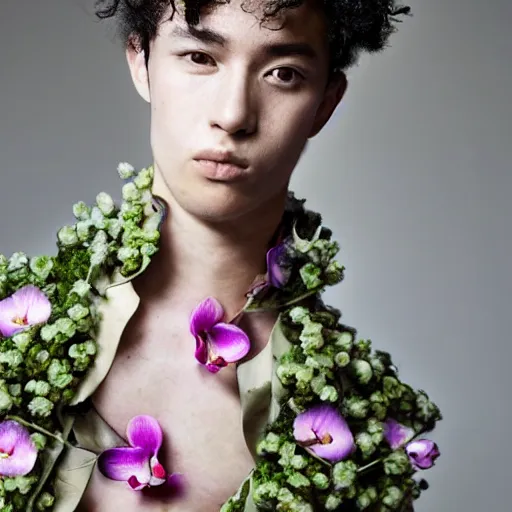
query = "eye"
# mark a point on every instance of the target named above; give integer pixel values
(288, 76)
(200, 54)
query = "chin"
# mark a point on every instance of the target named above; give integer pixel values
(217, 202)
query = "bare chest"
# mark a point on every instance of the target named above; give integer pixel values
(155, 373)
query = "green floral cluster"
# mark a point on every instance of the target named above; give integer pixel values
(328, 364)
(42, 366)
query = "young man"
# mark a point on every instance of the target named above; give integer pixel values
(226, 89)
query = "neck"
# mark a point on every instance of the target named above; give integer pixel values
(198, 259)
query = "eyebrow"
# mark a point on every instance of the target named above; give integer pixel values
(209, 36)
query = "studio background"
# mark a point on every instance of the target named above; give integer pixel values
(413, 174)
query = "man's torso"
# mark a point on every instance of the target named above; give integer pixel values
(155, 373)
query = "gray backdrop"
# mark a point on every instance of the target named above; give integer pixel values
(413, 174)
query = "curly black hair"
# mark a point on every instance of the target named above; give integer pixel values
(353, 25)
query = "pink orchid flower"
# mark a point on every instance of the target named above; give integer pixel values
(26, 307)
(138, 464)
(325, 432)
(217, 343)
(422, 453)
(18, 453)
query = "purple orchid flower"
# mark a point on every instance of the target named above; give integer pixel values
(26, 307)
(325, 432)
(18, 453)
(397, 434)
(278, 272)
(422, 453)
(217, 343)
(138, 464)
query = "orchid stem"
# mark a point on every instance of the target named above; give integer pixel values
(39, 429)
(368, 466)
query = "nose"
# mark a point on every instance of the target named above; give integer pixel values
(234, 106)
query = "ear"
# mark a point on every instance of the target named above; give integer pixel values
(137, 64)
(334, 92)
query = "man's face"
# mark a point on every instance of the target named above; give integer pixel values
(236, 96)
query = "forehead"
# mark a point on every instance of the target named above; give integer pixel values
(240, 23)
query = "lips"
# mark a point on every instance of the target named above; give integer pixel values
(223, 157)
(220, 171)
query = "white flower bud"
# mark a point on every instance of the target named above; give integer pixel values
(67, 236)
(131, 192)
(125, 170)
(105, 203)
(17, 261)
(81, 211)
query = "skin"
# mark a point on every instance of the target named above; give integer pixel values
(215, 237)
(234, 97)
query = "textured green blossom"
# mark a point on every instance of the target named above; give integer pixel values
(266, 491)
(287, 451)
(81, 354)
(17, 261)
(131, 192)
(310, 275)
(333, 502)
(367, 497)
(298, 480)
(334, 273)
(99, 249)
(392, 497)
(362, 370)
(298, 462)
(66, 328)
(144, 179)
(42, 356)
(318, 383)
(392, 387)
(105, 204)
(127, 253)
(311, 337)
(299, 314)
(81, 211)
(342, 359)
(125, 170)
(5, 397)
(356, 407)
(41, 266)
(98, 220)
(114, 228)
(344, 340)
(77, 312)
(12, 358)
(14, 390)
(397, 463)
(320, 361)
(40, 406)
(320, 481)
(46, 500)
(67, 236)
(81, 288)
(426, 410)
(270, 444)
(344, 474)
(58, 373)
(286, 372)
(329, 394)
(304, 376)
(22, 484)
(39, 440)
(84, 230)
(49, 332)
